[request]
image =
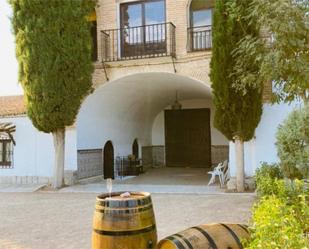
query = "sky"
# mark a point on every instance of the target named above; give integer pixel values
(8, 64)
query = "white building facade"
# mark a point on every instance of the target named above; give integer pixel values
(151, 58)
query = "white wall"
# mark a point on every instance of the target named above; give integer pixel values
(34, 151)
(103, 118)
(262, 148)
(158, 138)
(70, 149)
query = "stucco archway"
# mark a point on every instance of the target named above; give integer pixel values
(132, 106)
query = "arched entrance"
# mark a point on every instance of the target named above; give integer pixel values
(108, 160)
(135, 151)
(134, 106)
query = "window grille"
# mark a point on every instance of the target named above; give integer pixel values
(6, 152)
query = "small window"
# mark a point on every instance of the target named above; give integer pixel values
(6, 152)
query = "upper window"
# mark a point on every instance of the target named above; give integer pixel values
(6, 151)
(143, 28)
(142, 13)
(200, 13)
(199, 32)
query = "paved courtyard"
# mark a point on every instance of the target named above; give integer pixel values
(172, 176)
(157, 180)
(49, 220)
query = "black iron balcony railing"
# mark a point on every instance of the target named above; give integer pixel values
(146, 41)
(199, 38)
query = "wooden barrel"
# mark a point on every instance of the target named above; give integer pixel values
(208, 236)
(124, 222)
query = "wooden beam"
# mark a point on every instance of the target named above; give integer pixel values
(8, 128)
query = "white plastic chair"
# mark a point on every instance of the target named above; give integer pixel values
(222, 171)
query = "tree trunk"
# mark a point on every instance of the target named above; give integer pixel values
(59, 142)
(240, 168)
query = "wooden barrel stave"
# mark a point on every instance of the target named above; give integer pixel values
(132, 220)
(208, 236)
(124, 224)
(124, 242)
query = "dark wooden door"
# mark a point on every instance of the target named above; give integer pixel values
(108, 161)
(187, 138)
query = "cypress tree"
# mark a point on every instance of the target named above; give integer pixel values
(237, 113)
(53, 49)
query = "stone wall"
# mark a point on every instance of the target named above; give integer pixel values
(153, 156)
(70, 178)
(89, 163)
(25, 180)
(195, 66)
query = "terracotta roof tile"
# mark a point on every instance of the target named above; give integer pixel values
(12, 106)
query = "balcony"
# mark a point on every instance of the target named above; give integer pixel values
(199, 38)
(148, 41)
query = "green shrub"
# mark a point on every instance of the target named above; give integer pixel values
(281, 217)
(275, 226)
(266, 177)
(296, 195)
(293, 144)
(271, 170)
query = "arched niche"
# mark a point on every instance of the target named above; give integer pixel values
(108, 160)
(135, 149)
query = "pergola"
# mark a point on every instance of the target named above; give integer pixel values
(8, 128)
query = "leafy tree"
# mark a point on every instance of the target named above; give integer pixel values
(237, 113)
(281, 51)
(293, 144)
(53, 48)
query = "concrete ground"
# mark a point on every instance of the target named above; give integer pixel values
(52, 220)
(20, 188)
(171, 176)
(156, 180)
